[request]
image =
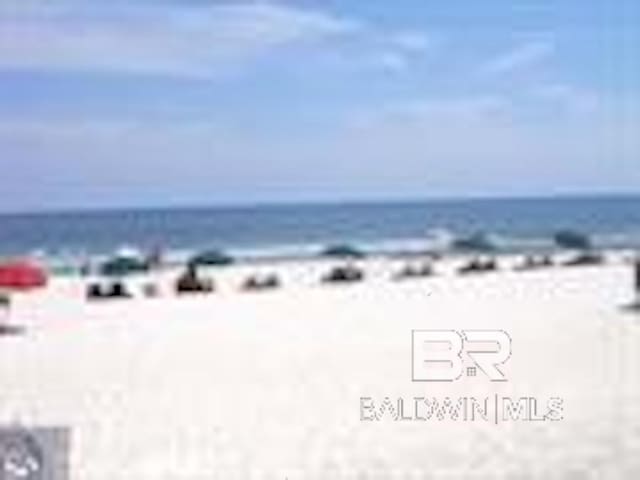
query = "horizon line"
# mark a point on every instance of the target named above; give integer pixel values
(310, 202)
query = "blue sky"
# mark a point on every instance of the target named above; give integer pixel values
(204, 102)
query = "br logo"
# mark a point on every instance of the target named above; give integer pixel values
(20, 456)
(36, 454)
(447, 355)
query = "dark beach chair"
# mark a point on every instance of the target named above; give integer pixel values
(410, 271)
(546, 261)
(150, 290)
(115, 290)
(256, 283)
(94, 291)
(585, 259)
(118, 290)
(478, 265)
(7, 330)
(344, 274)
(532, 262)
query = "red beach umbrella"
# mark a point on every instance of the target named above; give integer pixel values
(21, 275)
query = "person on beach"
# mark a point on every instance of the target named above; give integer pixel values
(637, 281)
(155, 258)
(5, 301)
(190, 282)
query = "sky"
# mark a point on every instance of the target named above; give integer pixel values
(202, 102)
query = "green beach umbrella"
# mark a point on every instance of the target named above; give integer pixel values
(343, 251)
(211, 258)
(572, 239)
(478, 242)
(121, 266)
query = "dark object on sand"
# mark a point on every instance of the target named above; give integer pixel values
(572, 240)
(5, 301)
(259, 283)
(343, 251)
(7, 330)
(150, 290)
(121, 266)
(211, 258)
(118, 290)
(190, 282)
(94, 291)
(344, 274)
(115, 290)
(533, 262)
(411, 271)
(478, 265)
(585, 259)
(478, 242)
(634, 306)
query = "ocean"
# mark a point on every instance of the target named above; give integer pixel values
(286, 230)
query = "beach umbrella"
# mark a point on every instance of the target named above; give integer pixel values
(21, 275)
(572, 240)
(343, 251)
(120, 266)
(18, 276)
(211, 258)
(478, 242)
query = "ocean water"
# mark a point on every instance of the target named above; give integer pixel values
(303, 229)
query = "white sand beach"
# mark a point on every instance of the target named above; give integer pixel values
(268, 385)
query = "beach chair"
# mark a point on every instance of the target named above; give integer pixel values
(585, 259)
(94, 291)
(478, 265)
(7, 329)
(410, 271)
(532, 262)
(257, 283)
(344, 274)
(150, 290)
(118, 290)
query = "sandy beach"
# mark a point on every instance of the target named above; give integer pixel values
(270, 385)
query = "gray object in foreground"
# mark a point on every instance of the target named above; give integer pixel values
(40, 453)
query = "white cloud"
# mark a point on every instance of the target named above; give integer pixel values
(520, 57)
(568, 96)
(193, 40)
(157, 39)
(411, 41)
(436, 110)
